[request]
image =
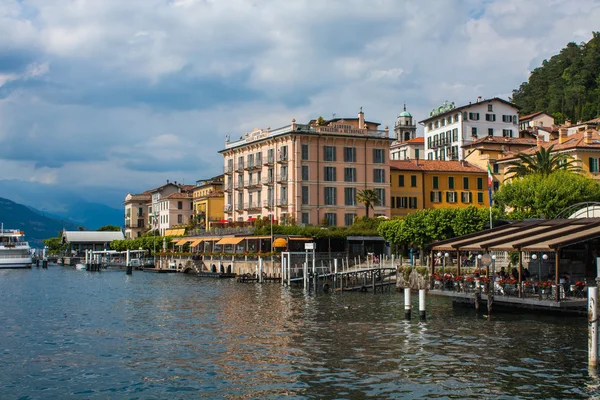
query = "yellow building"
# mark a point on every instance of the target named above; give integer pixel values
(424, 184)
(208, 199)
(583, 146)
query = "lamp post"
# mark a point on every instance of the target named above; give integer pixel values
(493, 266)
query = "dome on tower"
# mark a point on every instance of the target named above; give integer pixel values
(405, 114)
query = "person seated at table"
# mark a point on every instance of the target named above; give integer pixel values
(514, 273)
(503, 273)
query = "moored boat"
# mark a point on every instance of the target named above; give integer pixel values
(80, 266)
(14, 250)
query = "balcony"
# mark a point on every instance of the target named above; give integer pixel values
(228, 187)
(239, 186)
(268, 161)
(240, 167)
(252, 206)
(227, 208)
(249, 165)
(268, 203)
(268, 181)
(228, 170)
(239, 207)
(283, 158)
(252, 183)
(258, 164)
(283, 179)
(283, 202)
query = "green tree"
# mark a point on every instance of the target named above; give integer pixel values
(369, 198)
(542, 162)
(544, 196)
(111, 228)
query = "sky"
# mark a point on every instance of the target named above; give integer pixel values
(118, 96)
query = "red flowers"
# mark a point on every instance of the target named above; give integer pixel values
(580, 284)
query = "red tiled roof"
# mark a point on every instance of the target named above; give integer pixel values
(417, 140)
(572, 142)
(502, 140)
(177, 196)
(435, 165)
(530, 116)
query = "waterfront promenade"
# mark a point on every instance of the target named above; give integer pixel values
(74, 334)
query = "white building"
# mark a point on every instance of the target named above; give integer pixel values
(406, 146)
(449, 128)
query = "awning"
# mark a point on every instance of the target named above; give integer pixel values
(280, 242)
(196, 242)
(181, 242)
(301, 238)
(230, 240)
(175, 232)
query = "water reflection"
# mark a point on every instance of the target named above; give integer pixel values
(173, 336)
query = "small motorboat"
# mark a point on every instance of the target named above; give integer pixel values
(80, 266)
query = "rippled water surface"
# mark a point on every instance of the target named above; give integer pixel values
(74, 334)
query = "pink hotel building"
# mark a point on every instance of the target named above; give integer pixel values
(307, 173)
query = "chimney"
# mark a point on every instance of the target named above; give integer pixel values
(562, 135)
(478, 99)
(587, 136)
(462, 163)
(167, 181)
(361, 119)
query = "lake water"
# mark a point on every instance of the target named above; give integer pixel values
(76, 334)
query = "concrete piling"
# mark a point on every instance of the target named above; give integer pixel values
(407, 303)
(422, 309)
(593, 326)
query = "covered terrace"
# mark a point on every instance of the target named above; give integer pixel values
(552, 249)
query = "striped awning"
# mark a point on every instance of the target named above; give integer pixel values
(175, 232)
(230, 240)
(181, 242)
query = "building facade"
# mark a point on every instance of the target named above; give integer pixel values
(449, 128)
(208, 201)
(136, 214)
(307, 173)
(428, 184)
(537, 119)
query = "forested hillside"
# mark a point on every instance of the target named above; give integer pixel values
(566, 86)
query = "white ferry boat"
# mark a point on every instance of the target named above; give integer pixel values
(14, 251)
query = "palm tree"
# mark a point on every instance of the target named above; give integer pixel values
(541, 162)
(369, 198)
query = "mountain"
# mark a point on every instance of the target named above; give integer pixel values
(64, 203)
(567, 85)
(35, 226)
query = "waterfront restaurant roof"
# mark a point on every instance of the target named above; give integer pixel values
(91, 236)
(538, 235)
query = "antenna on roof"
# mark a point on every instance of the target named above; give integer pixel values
(333, 116)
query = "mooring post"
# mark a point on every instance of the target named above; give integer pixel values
(477, 300)
(373, 280)
(260, 270)
(422, 299)
(593, 326)
(407, 304)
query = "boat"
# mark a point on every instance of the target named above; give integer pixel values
(80, 266)
(14, 250)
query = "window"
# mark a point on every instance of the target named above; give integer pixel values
(250, 160)
(450, 182)
(305, 152)
(329, 153)
(495, 168)
(443, 122)
(451, 197)
(331, 219)
(490, 108)
(430, 156)
(474, 131)
(474, 116)
(413, 181)
(180, 205)
(240, 163)
(507, 118)
(258, 158)
(378, 175)
(449, 119)
(431, 126)
(401, 202)
(401, 180)
(490, 117)
(479, 183)
(480, 197)
(381, 196)
(330, 196)
(507, 133)
(140, 212)
(283, 153)
(349, 219)
(429, 142)
(305, 218)
(466, 183)
(350, 196)
(594, 167)
(349, 154)
(417, 154)
(496, 185)
(349, 174)
(304, 195)
(436, 196)
(490, 131)
(378, 156)
(412, 202)
(270, 155)
(329, 174)
(455, 135)
(466, 197)
(435, 182)
(305, 172)
(179, 219)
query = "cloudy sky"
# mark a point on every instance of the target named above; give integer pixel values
(118, 94)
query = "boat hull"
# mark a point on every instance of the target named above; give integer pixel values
(15, 263)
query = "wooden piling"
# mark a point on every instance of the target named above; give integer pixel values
(407, 303)
(593, 326)
(422, 302)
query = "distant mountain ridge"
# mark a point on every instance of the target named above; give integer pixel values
(35, 226)
(63, 203)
